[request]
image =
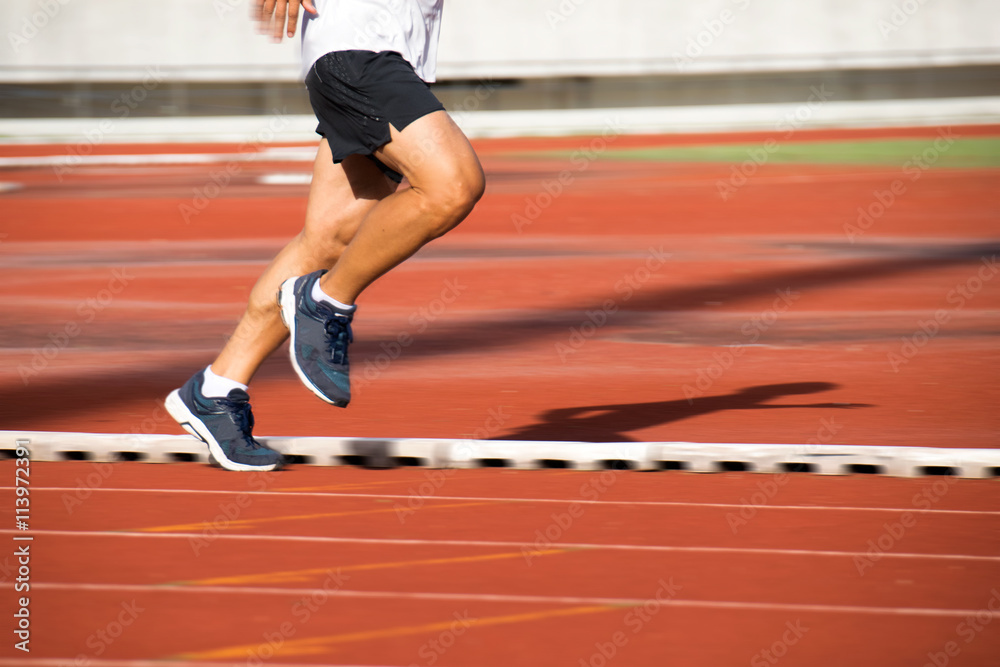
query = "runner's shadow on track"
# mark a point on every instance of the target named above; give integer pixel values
(610, 423)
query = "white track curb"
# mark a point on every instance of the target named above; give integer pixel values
(448, 453)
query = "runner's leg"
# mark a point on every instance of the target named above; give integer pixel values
(340, 197)
(446, 180)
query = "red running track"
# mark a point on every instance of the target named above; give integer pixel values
(344, 566)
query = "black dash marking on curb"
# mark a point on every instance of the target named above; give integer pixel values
(618, 464)
(797, 466)
(353, 460)
(554, 463)
(864, 469)
(494, 463)
(937, 470)
(409, 461)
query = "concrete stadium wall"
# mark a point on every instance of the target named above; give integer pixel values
(213, 40)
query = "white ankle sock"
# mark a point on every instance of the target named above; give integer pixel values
(319, 295)
(216, 386)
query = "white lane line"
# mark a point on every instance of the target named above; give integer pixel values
(560, 501)
(285, 179)
(527, 599)
(67, 160)
(524, 546)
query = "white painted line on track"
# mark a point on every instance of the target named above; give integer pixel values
(286, 179)
(147, 159)
(508, 544)
(559, 501)
(504, 598)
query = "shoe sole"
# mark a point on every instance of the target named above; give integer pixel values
(286, 306)
(190, 423)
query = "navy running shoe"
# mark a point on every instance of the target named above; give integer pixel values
(320, 335)
(224, 424)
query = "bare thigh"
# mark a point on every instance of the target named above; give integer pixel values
(437, 160)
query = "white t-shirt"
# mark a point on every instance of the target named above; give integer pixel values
(409, 27)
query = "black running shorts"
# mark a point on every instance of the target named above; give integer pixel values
(357, 94)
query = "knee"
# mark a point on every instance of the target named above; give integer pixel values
(474, 187)
(456, 197)
(450, 202)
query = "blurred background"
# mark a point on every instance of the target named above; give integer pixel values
(67, 59)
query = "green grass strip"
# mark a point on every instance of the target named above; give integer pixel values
(957, 153)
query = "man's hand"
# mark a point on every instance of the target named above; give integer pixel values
(272, 15)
